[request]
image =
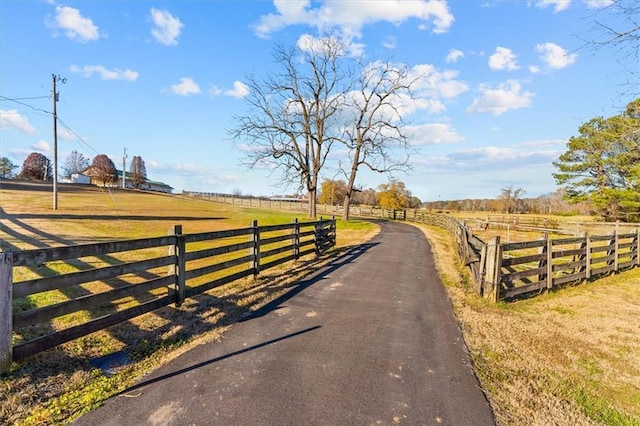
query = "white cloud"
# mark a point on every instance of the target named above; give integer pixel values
(166, 28)
(41, 146)
(598, 4)
(186, 87)
(437, 84)
(558, 5)
(432, 133)
(105, 74)
(351, 16)
(11, 119)
(534, 69)
(496, 101)
(390, 42)
(503, 59)
(554, 56)
(75, 26)
(309, 43)
(454, 55)
(240, 90)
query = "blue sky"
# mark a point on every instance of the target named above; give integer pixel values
(507, 83)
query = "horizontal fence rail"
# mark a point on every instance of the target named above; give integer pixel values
(503, 271)
(51, 296)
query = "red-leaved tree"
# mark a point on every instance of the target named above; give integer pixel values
(103, 169)
(36, 167)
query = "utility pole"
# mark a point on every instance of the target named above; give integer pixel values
(124, 162)
(55, 97)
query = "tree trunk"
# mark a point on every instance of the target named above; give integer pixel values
(352, 179)
(312, 204)
(347, 202)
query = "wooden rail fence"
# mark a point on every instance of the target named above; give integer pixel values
(503, 271)
(51, 296)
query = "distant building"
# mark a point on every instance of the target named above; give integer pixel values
(147, 185)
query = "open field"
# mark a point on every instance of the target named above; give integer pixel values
(565, 358)
(570, 357)
(58, 385)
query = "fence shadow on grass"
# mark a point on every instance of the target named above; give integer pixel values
(319, 270)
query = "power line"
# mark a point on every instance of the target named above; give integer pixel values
(24, 59)
(68, 129)
(4, 98)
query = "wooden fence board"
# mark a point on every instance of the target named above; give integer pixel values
(31, 347)
(316, 236)
(57, 282)
(37, 257)
(216, 251)
(88, 302)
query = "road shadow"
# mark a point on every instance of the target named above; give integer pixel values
(348, 256)
(317, 274)
(219, 358)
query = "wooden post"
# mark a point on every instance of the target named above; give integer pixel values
(494, 264)
(178, 269)
(637, 247)
(6, 311)
(549, 263)
(296, 238)
(255, 250)
(616, 248)
(588, 260)
(479, 285)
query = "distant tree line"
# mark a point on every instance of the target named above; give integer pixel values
(40, 168)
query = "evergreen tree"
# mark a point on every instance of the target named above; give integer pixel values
(602, 165)
(6, 168)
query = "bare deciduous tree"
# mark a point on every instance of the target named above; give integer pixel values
(138, 171)
(291, 113)
(617, 26)
(374, 134)
(74, 164)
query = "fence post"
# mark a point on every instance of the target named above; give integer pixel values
(318, 235)
(6, 311)
(588, 260)
(178, 269)
(494, 263)
(296, 238)
(255, 250)
(637, 247)
(549, 262)
(616, 248)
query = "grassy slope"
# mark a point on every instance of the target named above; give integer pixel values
(58, 385)
(571, 357)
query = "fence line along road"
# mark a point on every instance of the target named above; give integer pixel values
(45, 284)
(503, 271)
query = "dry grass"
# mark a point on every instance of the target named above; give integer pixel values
(565, 358)
(58, 385)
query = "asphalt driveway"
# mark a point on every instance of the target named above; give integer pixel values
(370, 339)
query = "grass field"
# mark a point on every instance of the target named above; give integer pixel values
(58, 385)
(571, 357)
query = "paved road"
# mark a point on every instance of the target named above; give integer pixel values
(371, 339)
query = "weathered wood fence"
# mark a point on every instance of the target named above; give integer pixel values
(51, 296)
(503, 271)
(534, 266)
